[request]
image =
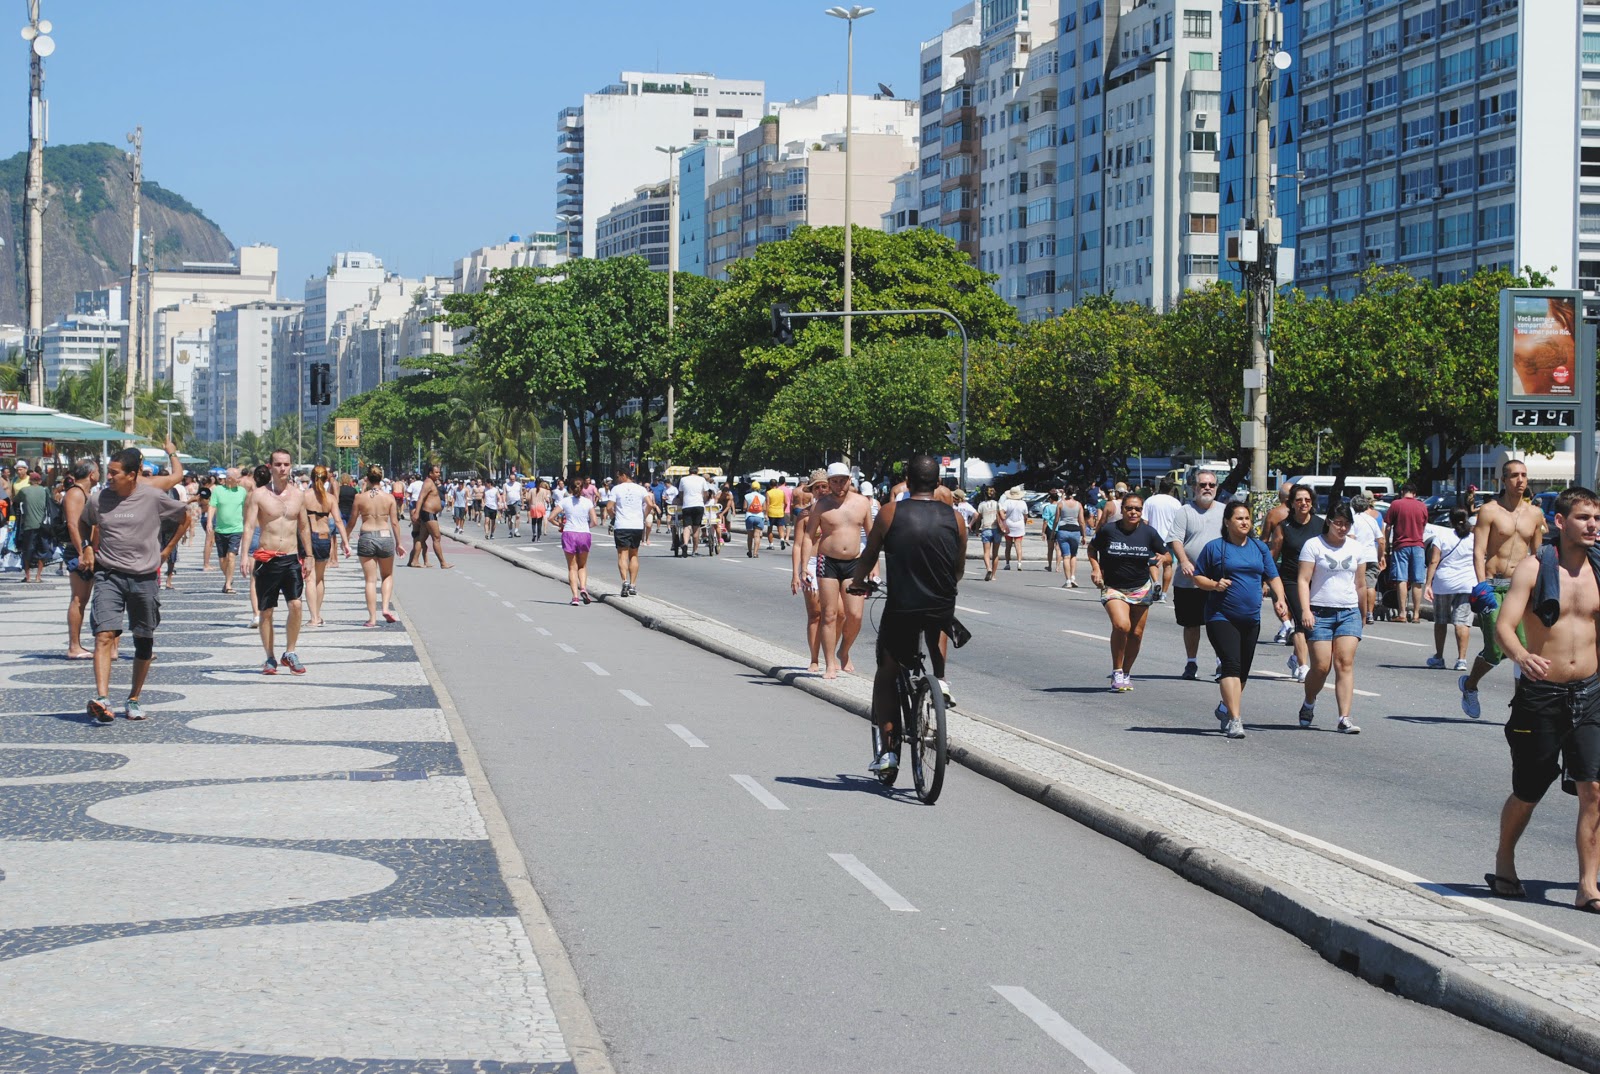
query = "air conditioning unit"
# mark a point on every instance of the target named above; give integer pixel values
(1410, 196)
(1200, 120)
(1436, 193)
(1348, 259)
(1344, 65)
(1391, 47)
(1495, 65)
(1349, 162)
(1508, 175)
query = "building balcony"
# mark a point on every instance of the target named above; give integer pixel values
(570, 186)
(569, 119)
(569, 142)
(570, 163)
(572, 203)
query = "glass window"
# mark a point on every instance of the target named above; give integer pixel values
(1416, 133)
(1419, 80)
(1316, 17)
(1202, 61)
(1591, 49)
(1314, 162)
(1456, 121)
(1384, 92)
(1501, 54)
(1591, 105)
(1497, 166)
(1380, 195)
(1383, 40)
(1347, 203)
(1457, 68)
(1346, 105)
(1381, 142)
(1197, 23)
(1314, 211)
(1416, 238)
(1205, 182)
(1457, 174)
(1455, 230)
(1496, 222)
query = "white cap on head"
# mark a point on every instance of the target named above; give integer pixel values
(838, 469)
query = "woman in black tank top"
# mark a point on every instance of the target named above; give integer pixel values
(1291, 535)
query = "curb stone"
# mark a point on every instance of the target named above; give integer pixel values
(1372, 947)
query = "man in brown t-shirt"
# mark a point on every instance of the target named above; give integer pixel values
(121, 525)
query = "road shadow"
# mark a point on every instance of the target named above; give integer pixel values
(1075, 690)
(1537, 890)
(847, 781)
(1176, 730)
(1444, 719)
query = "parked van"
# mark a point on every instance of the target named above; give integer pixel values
(1322, 485)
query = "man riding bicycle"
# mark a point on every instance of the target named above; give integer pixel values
(927, 545)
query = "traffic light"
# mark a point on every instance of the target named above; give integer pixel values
(321, 395)
(782, 326)
(954, 433)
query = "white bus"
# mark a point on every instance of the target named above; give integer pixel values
(1321, 486)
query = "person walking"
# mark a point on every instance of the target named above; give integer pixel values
(1330, 578)
(631, 509)
(322, 507)
(1194, 527)
(1124, 559)
(120, 528)
(693, 491)
(491, 509)
(377, 537)
(1160, 512)
(1449, 586)
(278, 511)
(803, 560)
(1013, 523)
(31, 504)
(85, 474)
(538, 508)
(1231, 570)
(1269, 533)
(755, 520)
(777, 512)
(989, 532)
(1403, 530)
(225, 522)
(1072, 524)
(1509, 529)
(1047, 527)
(576, 519)
(1368, 529)
(1290, 535)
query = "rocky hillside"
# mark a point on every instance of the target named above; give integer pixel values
(88, 227)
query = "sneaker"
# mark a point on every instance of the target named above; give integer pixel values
(584, 593)
(1346, 727)
(1461, 665)
(1436, 663)
(133, 710)
(1469, 699)
(1285, 632)
(255, 621)
(1216, 672)
(1294, 666)
(1302, 673)
(949, 700)
(1307, 714)
(1117, 681)
(576, 602)
(100, 709)
(1007, 567)
(1191, 670)
(292, 662)
(1074, 582)
(886, 762)
(1222, 715)
(1235, 729)
(270, 667)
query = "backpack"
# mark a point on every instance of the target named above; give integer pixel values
(755, 503)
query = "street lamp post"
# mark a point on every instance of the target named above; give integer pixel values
(850, 15)
(672, 152)
(1320, 434)
(300, 405)
(40, 45)
(167, 405)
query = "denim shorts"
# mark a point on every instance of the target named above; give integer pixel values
(1410, 565)
(990, 536)
(1335, 623)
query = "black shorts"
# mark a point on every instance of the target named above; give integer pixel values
(490, 512)
(692, 516)
(900, 632)
(279, 575)
(321, 547)
(1549, 722)
(626, 539)
(425, 517)
(226, 544)
(840, 570)
(1189, 604)
(1234, 641)
(131, 598)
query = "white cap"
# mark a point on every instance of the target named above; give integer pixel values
(838, 469)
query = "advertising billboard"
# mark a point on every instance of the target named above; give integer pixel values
(1539, 345)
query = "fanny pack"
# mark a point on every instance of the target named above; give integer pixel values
(263, 555)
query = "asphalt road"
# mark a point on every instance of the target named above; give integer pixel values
(736, 894)
(1420, 789)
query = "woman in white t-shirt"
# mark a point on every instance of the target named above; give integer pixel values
(576, 518)
(1451, 577)
(1332, 577)
(1013, 523)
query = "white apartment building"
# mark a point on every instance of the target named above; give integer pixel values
(251, 276)
(606, 145)
(73, 344)
(539, 250)
(903, 212)
(290, 389)
(181, 343)
(350, 276)
(369, 340)
(947, 169)
(640, 226)
(239, 380)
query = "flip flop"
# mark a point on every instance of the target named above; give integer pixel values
(1511, 888)
(1589, 906)
(390, 616)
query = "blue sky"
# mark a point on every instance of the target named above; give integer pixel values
(415, 130)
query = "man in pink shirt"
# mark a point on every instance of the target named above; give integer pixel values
(1403, 529)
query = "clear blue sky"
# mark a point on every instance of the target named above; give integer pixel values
(417, 131)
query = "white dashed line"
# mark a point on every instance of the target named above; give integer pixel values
(478, 584)
(508, 604)
(1327, 686)
(637, 700)
(597, 669)
(492, 593)
(1061, 1031)
(784, 570)
(873, 883)
(524, 617)
(760, 793)
(1082, 634)
(1395, 641)
(564, 647)
(971, 611)
(683, 733)
(540, 629)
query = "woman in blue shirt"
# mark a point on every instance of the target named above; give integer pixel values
(1235, 569)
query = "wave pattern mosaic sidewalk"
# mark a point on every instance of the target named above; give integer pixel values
(269, 875)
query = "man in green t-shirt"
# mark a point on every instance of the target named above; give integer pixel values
(32, 507)
(225, 523)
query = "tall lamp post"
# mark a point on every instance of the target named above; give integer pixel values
(672, 152)
(299, 405)
(1320, 434)
(40, 45)
(566, 425)
(850, 15)
(224, 376)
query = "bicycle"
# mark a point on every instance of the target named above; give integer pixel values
(921, 708)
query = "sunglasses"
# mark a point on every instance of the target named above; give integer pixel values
(1204, 485)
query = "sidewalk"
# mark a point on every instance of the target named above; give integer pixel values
(272, 874)
(1461, 954)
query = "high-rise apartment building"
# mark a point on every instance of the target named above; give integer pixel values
(240, 377)
(641, 226)
(699, 167)
(251, 275)
(948, 168)
(74, 344)
(607, 145)
(349, 279)
(1419, 134)
(538, 250)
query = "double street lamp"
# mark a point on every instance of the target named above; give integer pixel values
(850, 15)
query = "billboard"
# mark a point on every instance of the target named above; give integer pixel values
(1539, 347)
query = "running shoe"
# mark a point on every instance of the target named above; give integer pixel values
(1122, 682)
(1235, 729)
(1346, 727)
(1308, 713)
(1294, 666)
(100, 709)
(1116, 682)
(1191, 670)
(1461, 665)
(1302, 673)
(1285, 632)
(949, 700)
(1222, 715)
(255, 621)
(1436, 663)
(292, 662)
(576, 602)
(584, 593)
(1074, 583)
(270, 667)
(888, 761)
(133, 710)
(1469, 699)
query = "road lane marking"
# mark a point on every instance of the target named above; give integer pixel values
(635, 698)
(682, 732)
(759, 793)
(873, 883)
(1082, 634)
(1061, 1031)
(1327, 686)
(508, 604)
(1396, 641)
(492, 593)
(564, 647)
(973, 611)
(524, 617)
(784, 570)
(541, 629)
(597, 669)
(478, 584)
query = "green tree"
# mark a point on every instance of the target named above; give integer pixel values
(1204, 342)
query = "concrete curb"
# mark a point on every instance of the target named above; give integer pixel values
(578, 1028)
(1363, 947)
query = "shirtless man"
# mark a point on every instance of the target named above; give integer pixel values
(1555, 711)
(1269, 525)
(833, 529)
(1509, 528)
(425, 519)
(279, 509)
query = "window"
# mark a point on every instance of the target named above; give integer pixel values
(1347, 54)
(702, 112)
(1497, 109)
(1203, 141)
(1416, 133)
(1496, 222)
(1455, 230)
(1347, 152)
(1314, 162)
(930, 133)
(1383, 92)
(1314, 114)
(1415, 184)
(1383, 40)
(930, 197)
(1201, 61)
(699, 133)
(1346, 105)
(1197, 24)
(1201, 265)
(1347, 203)
(730, 113)
(1501, 54)
(1202, 223)
(796, 203)
(1588, 162)
(1591, 105)
(1591, 50)
(1419, 80)
(1380, 243)
(1381, 143)
(1345, 10)
(1380, 195)
(1419, 28)
(1205, 182)
(1416, 238)
(1456, 121)
(1457, 68)
(1317, 17)
(1456, 174)
(932, 69)
(1314, 211)
(1589, 219)
(930, 167)
(931, 101)
(1316, 65)
(1499, 166)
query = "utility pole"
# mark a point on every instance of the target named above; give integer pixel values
(40, 45)
(1258, 243)
(850, 16)
(131, 359)
(672, 152)
(147, 346)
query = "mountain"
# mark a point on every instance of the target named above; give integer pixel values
(88, 227)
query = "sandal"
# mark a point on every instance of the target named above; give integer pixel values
(1505, 887)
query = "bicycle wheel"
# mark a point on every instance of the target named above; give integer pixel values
(925, 739)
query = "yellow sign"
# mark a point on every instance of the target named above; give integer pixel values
(347, 432)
